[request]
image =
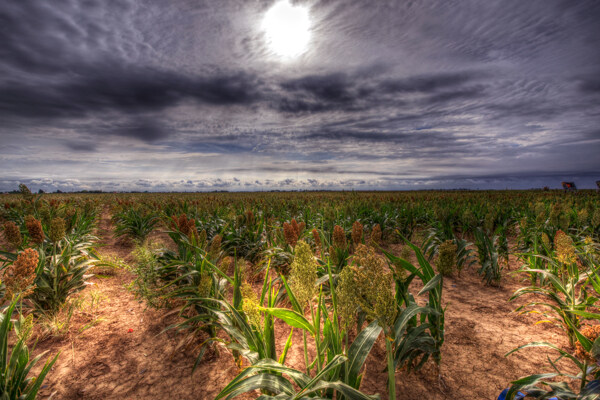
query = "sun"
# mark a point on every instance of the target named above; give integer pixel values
(287, 29)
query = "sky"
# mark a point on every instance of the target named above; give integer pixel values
(197, 95)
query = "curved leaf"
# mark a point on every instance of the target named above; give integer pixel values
(292, 318)
(359, 350)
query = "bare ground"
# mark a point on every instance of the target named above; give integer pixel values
(126, 355)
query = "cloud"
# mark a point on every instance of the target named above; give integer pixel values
(189, 97)
(81, 146)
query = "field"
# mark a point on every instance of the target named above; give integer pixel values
(408, 295)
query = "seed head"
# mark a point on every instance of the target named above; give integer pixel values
(376, 235)
(446, 257)
(57, 229)
(357, 232)
(339, 237)
(303, 273)
(204, 285)
(596, 218)
(44, 213)
(546, 241)
(290, 234)
(34, 227)
(12, 234)
(215, 247)
(405, 252)
(295, 226)
(555, 214)
(583, 216)
(249, 218)
(251, 306)
(185, 226)
(202, 238)
(565, 249)
(540, 218)
(20, 275)
(591, 332)
(374, 286)
(347, 302)
(317, 240)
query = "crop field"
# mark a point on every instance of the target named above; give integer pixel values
(330, 295)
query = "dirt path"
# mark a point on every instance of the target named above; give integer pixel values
(107, 361)
(481, 328)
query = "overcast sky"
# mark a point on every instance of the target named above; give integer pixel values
(189, 95)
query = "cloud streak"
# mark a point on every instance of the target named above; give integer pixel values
(126, 93)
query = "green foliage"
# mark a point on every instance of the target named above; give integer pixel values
(489, 258)
(268, 376)
(16, 381)
(147, 284)
(418, 337)
(135, 224)
(62, 273)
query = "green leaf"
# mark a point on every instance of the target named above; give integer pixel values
(526, 382)
(432, 284)
(585, 314)
(407, 314)
(287, 346)
(359, 350)
(348, 392)
(292, 318)
(595, 351)
(272, 383)
(291, 296)
(337, 360)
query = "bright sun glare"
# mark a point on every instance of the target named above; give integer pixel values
(287, 28)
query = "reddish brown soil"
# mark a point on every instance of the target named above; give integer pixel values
(107, 361)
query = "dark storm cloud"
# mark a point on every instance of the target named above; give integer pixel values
(426, 83)
(81, 146)
(590, 85)
(127, 91)
(391, 91)
(357, 91)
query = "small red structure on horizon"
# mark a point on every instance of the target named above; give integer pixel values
(569, 186)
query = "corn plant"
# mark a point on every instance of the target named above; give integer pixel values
(565, 293)
(422, 337)
(331, 338)
(489, 257)
(464, 255)
(436, 235)
(589, 385)
(62, 273)
(585, 360)
(268, 376)
(567, 298)
(252, 329)
(199, 284)
(245, 238)
(81, 222)
(15, 364)
(135, 224)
